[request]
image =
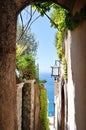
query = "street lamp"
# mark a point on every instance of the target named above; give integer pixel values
(56, 74)
(55, 69)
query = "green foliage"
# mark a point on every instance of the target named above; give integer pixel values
(43, 7)
(64, 67)
(26, 48)
(43, 108)
(26, 66)
(27, 38)
(19, 50)
(59, 16)
(42, 81)
(72, 21)
(59, 40)
(64, 21)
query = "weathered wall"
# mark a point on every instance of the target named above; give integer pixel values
(56, 103)
(19, 105)
(78, 5)
(37, 108)
(76, 59)
(28, 106)
(70, 86)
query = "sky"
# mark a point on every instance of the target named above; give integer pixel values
(45, 35)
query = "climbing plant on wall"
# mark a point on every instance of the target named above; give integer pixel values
(43, 108)
(72, 21)
(65, 21)
(58, 16)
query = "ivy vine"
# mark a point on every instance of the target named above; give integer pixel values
(72, 21)
(65, 21)
(43, 108)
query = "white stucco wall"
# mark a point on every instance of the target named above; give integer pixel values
(70, 85)
(76, 59)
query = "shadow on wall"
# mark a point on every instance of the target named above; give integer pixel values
(78, 67)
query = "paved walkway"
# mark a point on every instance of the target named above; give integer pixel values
(51, 119)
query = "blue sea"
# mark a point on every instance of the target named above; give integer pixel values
(50, 91)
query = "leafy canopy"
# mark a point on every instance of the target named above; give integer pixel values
(59, 17)
(26, 67)
(27, 40)
(26, 48)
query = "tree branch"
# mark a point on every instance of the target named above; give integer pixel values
(21, 4)
(51, 20)
(27, 26)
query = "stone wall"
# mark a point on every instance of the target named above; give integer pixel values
(19, 105)
(37, 108)
(28, 106)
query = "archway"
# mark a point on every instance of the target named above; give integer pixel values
(8, 14)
